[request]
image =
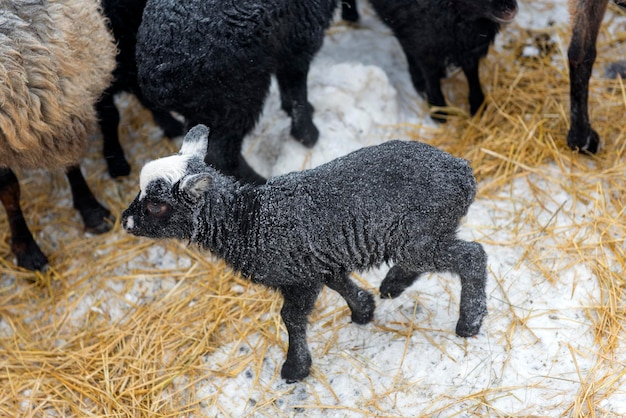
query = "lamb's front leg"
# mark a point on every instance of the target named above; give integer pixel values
(360, 301)
(298, 304)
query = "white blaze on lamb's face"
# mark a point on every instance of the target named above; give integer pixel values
(170, 169)
(173, 168)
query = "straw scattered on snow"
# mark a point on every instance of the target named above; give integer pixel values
(63, 352)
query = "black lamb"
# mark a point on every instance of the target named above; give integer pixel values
(123, 18)
(435, 34)
(398, 202)
(212, 62)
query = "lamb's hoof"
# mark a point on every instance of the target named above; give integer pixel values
(30, 257)
(293, 372)
(586, 141)
(395, 282)
(465, 330)
(365, 312)
(98, 221)
(468, 328)
(118, 167)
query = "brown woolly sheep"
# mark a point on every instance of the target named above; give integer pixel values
(56, 59)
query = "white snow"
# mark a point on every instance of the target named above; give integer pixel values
(536, 346)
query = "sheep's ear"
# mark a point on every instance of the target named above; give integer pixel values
(196, 142)
(195, 186)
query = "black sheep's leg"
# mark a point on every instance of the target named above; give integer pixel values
(417, 78)
(349, 12)
(26, 250)
(360, 301)
(292, 82)
(97, 218)
(224, 154)
(476, 95)
(586, 19)
(169, 124)
(109, 120)
(432, 77)
(298, 304)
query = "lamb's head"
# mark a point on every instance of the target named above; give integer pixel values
(171, 188)
(499, 11)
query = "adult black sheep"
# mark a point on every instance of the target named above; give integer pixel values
(435, 34)
(212, 62)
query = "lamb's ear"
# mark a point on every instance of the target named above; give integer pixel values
(194, 186)
(196, 142)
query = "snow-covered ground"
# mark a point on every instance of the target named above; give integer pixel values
(535, 352)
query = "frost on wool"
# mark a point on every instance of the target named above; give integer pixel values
(212, 61)
(400, 202)
(435, 34)
(56, 59)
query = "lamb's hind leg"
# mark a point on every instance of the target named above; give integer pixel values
(298, 304)
(467, 259)
(360, 301)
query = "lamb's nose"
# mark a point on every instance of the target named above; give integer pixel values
(129, 223)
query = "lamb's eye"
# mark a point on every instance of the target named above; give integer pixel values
(157, 208)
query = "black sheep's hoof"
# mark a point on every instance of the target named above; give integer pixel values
(307, 135)
(350, 14)
(98, 221)
(478, 109)
(293, 372)
(118, 167)
(586, 141)
(302, 127)
(30, 257)
(439, 116)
